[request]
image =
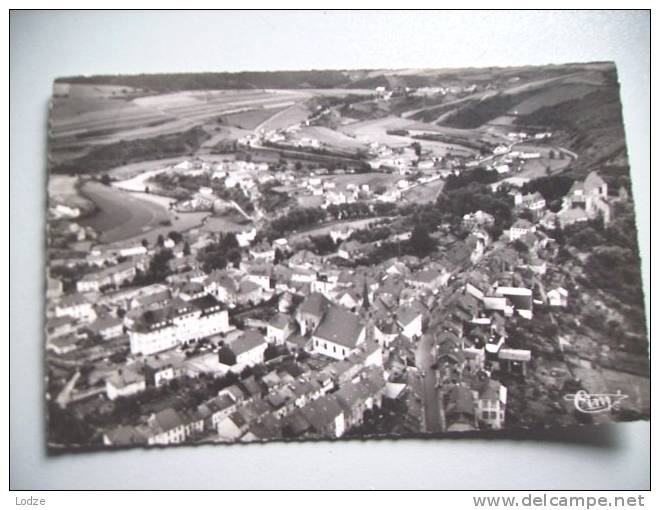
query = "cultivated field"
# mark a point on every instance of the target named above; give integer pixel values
(285, 118)
(432, 114)
(553, 96)
(78, 123)
(251, 119)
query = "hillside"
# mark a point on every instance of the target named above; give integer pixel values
(323, 78)
(592, 126)
(105, 157)
(219, 81)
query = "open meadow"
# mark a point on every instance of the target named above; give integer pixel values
(284, 118)
(424, 193)
(121, 215)
(250, 120)
(223, 224)
(376, 130)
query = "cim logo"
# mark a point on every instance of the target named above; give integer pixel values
(597, 403)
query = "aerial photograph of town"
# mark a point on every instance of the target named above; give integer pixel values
(324, 254)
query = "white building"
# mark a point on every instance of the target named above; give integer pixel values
(75, 306)
(558, 297)
(111, 276)
(278, 329)
(247, 350)
(520, 228)
(245, 238)
(123, 383)
(166, 427)
(131, 250)
(177, 322)
(61, 210)
(531, 201)
(490, 404)
(263, 253)
(338, 333)
(519, 297)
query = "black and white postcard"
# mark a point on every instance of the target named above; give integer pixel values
(295, 255)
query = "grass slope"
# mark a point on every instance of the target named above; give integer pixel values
(105, 157)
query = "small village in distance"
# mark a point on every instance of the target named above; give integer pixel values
(350, 271)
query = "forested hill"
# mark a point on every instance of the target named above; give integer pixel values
(310, 79)
(216, 81)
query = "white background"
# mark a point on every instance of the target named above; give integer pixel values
(45, 45)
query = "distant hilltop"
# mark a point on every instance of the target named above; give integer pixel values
(312, 79)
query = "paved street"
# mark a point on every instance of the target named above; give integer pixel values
(423, 361)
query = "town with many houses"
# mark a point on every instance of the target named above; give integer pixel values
(362, 315)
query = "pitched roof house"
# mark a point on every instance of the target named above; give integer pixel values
(311, 311)
(338, 333)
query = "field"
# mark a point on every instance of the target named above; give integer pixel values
(96, 91)
(331, 138)
(181, 222)
(78, 143)
(310, 201)
(251, 119)
(285, 118)
(121, 215)
(224, 223)
(62, 190)
(106, 157)
(522, 96)
(127, 216)
(206, 104)
(433, 113)
(552, 97)
(425, 192)
(376, 130)
(535, 168)
(224, 133)
(84, 120)
(132, 170)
